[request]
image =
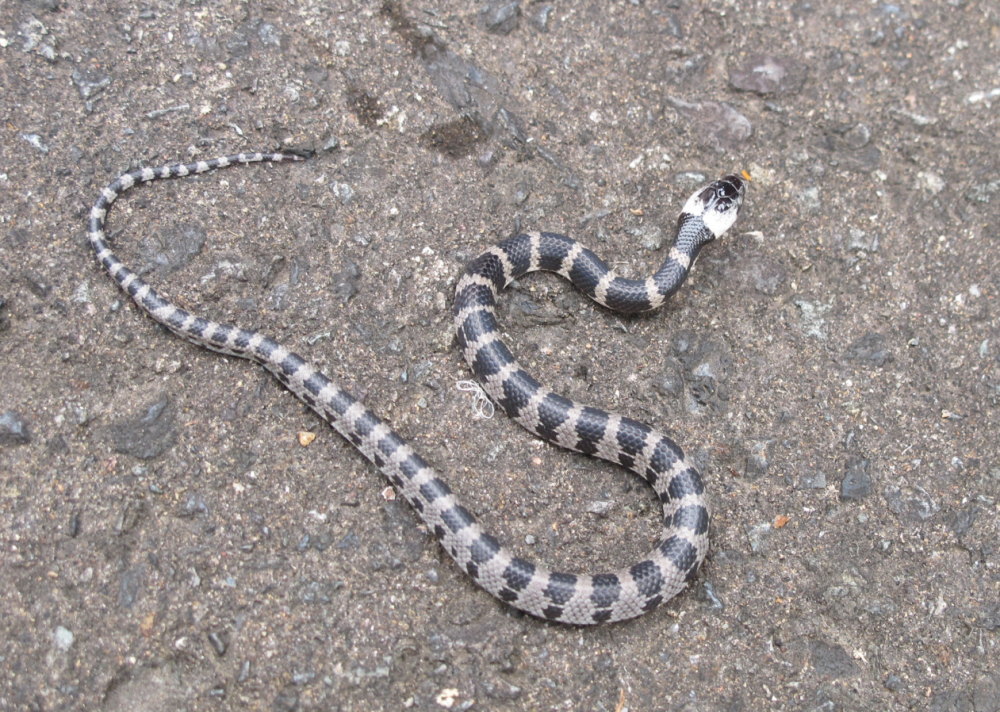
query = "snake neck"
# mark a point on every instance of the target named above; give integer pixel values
(692, 235)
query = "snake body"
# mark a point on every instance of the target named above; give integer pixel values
(580, 599)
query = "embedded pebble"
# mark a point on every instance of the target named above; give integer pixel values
(38, 39)
(870, 349)
(813, 479)
(269, 34)
(36, 142)
(910, 502)
(193, 505)
(345, 282)
(499, 18)
(540, 16)
(813, 323)
(766, 276)
(857, 482)
(318, 592)
(831, 661)
(863, 241)
(62, 638)
(13, 429)
(600, 508)
(961, 522)
(768, 74)
(717, 124)
(931, 181)
(147, 435)
(90, 82)
(130, 585)
(218, 642)
(810, 198)
(983, 192)
(651, 237)
(758, 536)
(756, 461)
(170, 249)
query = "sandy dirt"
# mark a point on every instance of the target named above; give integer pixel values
(833, 364)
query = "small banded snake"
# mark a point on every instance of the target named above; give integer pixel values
(579, 599)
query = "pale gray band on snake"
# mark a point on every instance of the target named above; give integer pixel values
(575, 598)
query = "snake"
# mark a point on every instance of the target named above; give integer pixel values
(572, 598)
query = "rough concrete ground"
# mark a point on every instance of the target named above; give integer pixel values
(834, 365)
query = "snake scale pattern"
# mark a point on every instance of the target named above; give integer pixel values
(579, 599)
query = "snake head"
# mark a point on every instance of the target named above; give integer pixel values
(718, 204)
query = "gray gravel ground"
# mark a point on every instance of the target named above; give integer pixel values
(834, 365)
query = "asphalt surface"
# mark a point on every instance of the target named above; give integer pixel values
(173, 540)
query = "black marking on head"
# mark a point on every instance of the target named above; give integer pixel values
(680, 552)
(457, 518)
(518, 573)
(560, 588)
(647, 577)
(607, 589)
(484, 548)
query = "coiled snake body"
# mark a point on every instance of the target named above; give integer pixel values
(580, 599)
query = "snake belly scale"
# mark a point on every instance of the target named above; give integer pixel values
(574, 598)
